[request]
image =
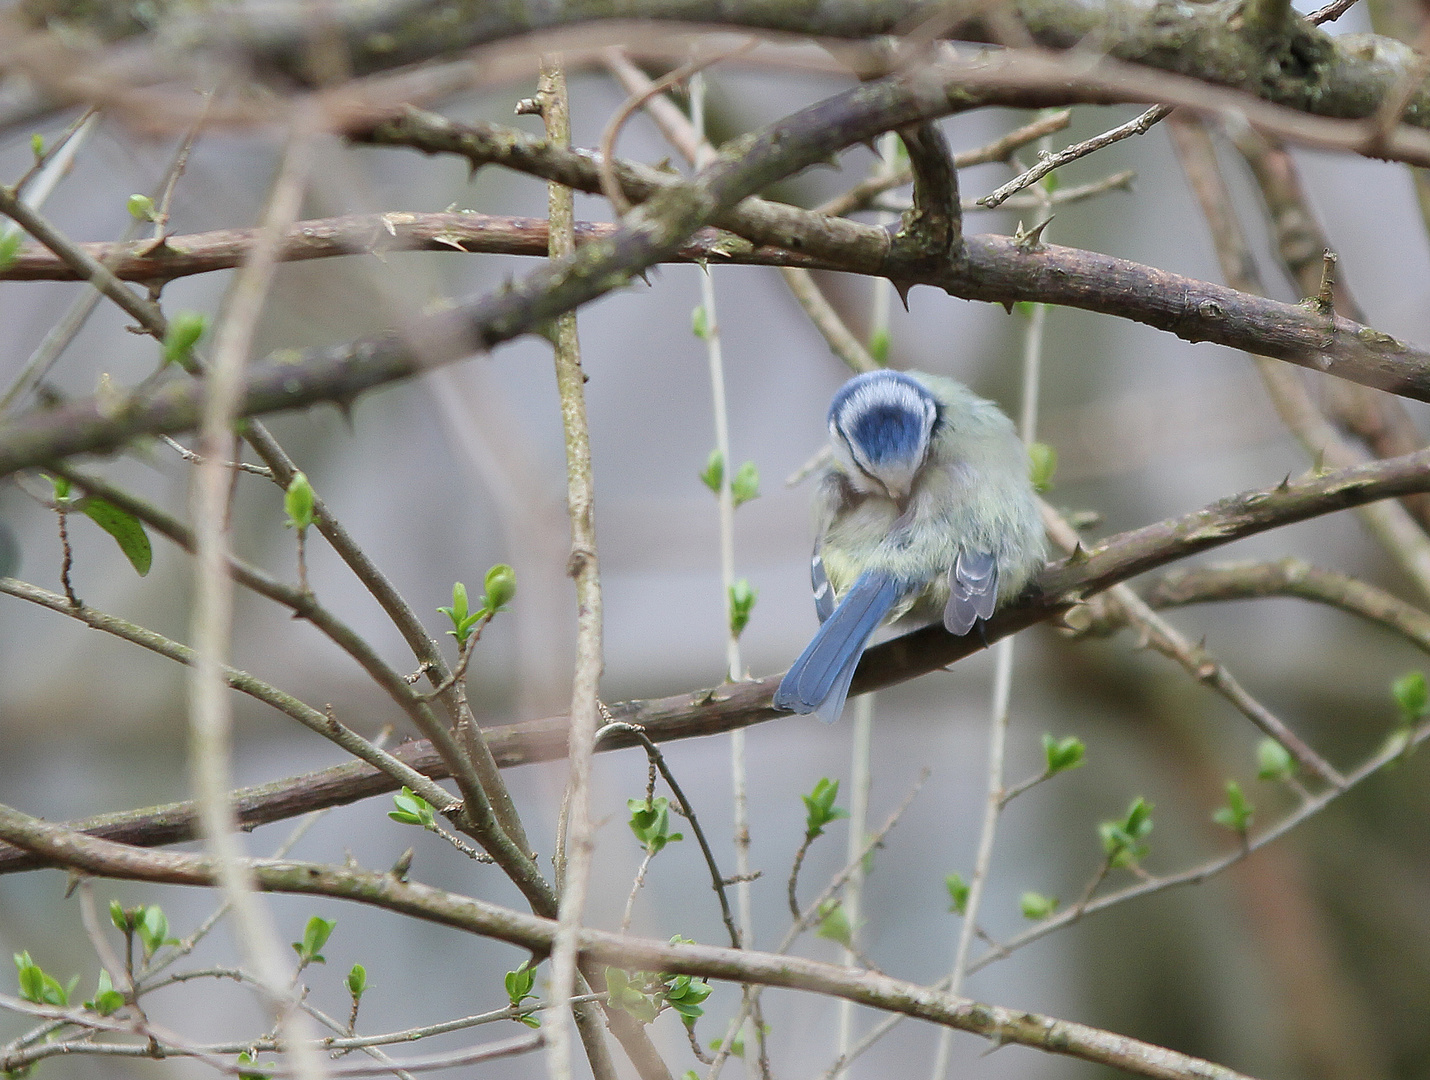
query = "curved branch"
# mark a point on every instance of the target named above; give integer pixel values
(723, 708)
(65, 847)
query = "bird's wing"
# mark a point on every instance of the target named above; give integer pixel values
(823, 591)
(972, 591)
(819, 680)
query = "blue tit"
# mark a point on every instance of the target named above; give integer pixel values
(926, 511)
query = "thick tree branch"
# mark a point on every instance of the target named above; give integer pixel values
(993, 268)
(1283, 59)
(1002, 1025)
(733, 705)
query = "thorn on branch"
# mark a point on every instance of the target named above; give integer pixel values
(1325, 297)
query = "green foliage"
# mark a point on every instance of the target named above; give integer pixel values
(245, 1058)
(737, 1046)
(462, 619)
(700, 323)
(357, 981)
(37, 145)
(879, 346)
(152, 926)
(744, 485)
(1060, 755)
(644, 994)
(1122, 839)
(820, 809)
(298, 503)
(1036, 906)
(315, 936)
(1273, 761)
(1024, 307)
(412, 810)
(518, 989)
(500, 584)
(127, 530)
(40, 987)
(1042, 466)
(106, 1000)
(742, 603)
(1237, 813)
(834, 924)
(650, 821)
(185, 330)
(684, 994)
(958, 890)
(1050, 182)
(627, 991)
(141, 207)
(9, 248)
(1412, 696)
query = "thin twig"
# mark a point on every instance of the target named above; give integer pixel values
(684, 808)
(1048, 162)
(809, 915)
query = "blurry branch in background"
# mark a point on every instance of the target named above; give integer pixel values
(1390, 523)
(703, 712)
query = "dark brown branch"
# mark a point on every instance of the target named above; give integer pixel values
(733, 705)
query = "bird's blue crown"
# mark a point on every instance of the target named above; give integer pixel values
(884, 414)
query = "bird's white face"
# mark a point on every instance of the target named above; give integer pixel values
(880, 430)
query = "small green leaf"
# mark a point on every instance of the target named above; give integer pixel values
(737, 1046)
(1024, 307)
(152, 926)
(1122, 840)
(246, 1058)
(1050, 182)
(834, 924)
(298, 502)
(650, 821)
(412, 810)
(742, 603)
(315, 936)
(141, 207)
(126, 529)
(500, 584)
(1273, 761)
(684, 994)
(1236, 814)
(745, 484)
(958, 890)
(624, 991)
(9, 248)
(462, 619)
(357, 981)
(38, 986)
(106, 1000)
(1062, 754)
(1413, 697)
(714, 473)
(879, 346)
(185, 330)
(123, 920)
(1037, 906)
(1043, 466)
(700, 323)
(820, 809)
(37, 145)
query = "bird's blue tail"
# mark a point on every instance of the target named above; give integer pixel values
(818, 682)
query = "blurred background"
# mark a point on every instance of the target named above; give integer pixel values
(1308, 960)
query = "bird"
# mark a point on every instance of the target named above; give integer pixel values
(926, 511)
